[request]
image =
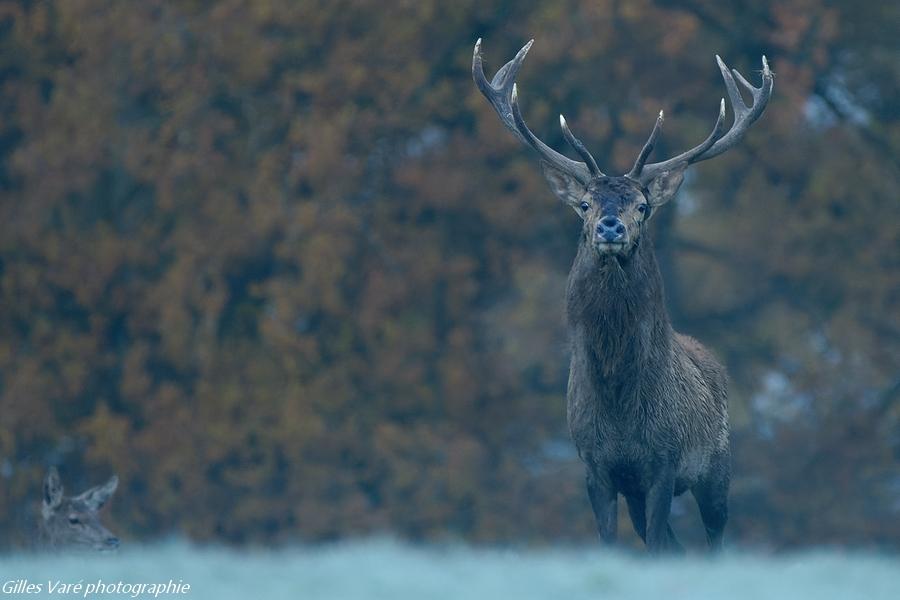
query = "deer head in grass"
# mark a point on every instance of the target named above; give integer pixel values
(73, 522)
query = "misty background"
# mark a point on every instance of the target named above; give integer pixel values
(278, 265)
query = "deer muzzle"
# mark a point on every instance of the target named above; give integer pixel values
(610, 230)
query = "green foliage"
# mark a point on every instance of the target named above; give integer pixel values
(278, 265)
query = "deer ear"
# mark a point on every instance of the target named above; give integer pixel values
(53, 490)
(96, 497)
(664, 186)
(566, 187)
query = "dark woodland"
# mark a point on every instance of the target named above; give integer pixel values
(278, 266)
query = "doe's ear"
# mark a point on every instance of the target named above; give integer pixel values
(53, 489)
(566, 187)
(664, 186)
(96, 497)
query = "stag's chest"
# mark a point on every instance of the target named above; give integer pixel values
(608, 424)
(620, 452)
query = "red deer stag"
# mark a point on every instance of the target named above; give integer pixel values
(647, 406)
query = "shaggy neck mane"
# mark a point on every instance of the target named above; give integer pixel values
(616, 311)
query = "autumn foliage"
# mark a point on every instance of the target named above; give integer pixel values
(278, 266)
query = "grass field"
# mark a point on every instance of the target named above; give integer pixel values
(388, 570)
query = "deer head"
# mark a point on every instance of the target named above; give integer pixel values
(615, 208)
(73, 522)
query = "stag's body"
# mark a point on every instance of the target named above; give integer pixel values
(647, 407)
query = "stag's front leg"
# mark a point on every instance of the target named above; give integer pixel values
(660, 536)
(604, 503)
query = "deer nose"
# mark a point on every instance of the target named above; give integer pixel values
(610, 229)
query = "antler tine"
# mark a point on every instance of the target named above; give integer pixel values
(503, 81)
(647, 149)
(734, 95)
(579, 148)
(714, 136)
(717, 143)
(743, 121)
(547, 153)
(747, 85)
(501, 93)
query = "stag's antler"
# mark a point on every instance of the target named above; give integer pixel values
(717, 142)
(502, 93)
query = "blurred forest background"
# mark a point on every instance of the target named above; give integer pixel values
(278, 265)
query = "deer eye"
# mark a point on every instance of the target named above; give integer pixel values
(73, 519)
(585, 206)
(644, 209)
